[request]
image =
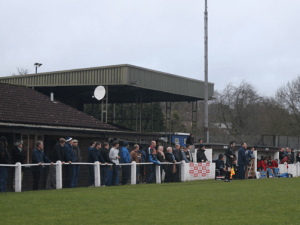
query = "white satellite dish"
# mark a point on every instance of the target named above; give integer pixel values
(99, 92)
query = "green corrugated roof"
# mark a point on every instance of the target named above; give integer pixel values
(128, 76)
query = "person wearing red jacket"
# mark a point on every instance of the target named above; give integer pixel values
(261, 165)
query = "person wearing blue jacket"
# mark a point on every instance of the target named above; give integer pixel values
(94, 156)
(38, 157)
(69, 169)
(184, 153)
(125, 158)
(148, 152)
(242, 161)
(92, 145)
(153, 159)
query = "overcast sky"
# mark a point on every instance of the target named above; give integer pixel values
(253, 40)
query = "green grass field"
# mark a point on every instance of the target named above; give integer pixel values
(266, 201)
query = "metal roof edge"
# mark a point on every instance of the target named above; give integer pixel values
(64, 71)
(103, 67)
(165, 73)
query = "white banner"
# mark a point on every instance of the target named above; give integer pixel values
(200, 171)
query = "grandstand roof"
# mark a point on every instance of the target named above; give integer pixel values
(125, 83)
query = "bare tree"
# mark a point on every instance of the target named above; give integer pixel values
(288, 97)
(21, 71)
(236, 108)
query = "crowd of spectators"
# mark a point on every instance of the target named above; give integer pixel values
(68, 152)
(267, 164)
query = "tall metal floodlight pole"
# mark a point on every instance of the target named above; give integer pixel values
(206, 131)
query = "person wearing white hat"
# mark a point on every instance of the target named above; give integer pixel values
(18, 156)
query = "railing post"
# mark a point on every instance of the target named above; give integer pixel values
(133, 172)
(58, 175)
(297, 169)
(183, 166)
(97, 174)
(157, 171)
(18, 179)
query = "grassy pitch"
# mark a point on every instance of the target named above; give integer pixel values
(266, 201)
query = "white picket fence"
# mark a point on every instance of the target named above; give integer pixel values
(58, 165)
(293, 169)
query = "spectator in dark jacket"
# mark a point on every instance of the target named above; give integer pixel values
(18, 156)
(220, 165)
(178, 158)
(229, 159)
(292, 159)
(58, 154)
(4, 159)
(77, 153)
(162, 158)
(94, 156)
(298, 157)
(170, 168)
(190, 140)
(70, 169)
(281, 154)
(201, 157)
(105, 169)
(242, 160)
(38, 157)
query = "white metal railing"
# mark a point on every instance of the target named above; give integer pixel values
(97, 174)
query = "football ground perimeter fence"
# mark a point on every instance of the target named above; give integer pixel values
(57, 176)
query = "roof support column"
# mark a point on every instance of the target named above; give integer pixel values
(104, 106)
(122, 119)
(151, 116)
(136, 114)
(168, 121)
(194, 117)
(141, 110)
(131, 116)
(114, 113)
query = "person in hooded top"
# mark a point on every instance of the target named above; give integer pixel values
(201, 157)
